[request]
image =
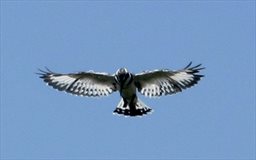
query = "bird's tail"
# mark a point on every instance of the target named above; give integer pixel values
(139, 109)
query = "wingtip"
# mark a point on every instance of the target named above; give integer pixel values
(188, 65)
(48, 70)
(197, 67)
(42, 72)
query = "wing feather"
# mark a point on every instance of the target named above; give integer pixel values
(164, 82)
(81, 83)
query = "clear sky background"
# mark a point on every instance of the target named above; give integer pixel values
(214, 120)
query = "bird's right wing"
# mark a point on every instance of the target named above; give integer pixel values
(82, 83)
(164, 82)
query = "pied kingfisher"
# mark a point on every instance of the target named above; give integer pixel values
(149, 83)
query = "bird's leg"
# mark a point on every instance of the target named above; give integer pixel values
(133, 102)
(125, 103)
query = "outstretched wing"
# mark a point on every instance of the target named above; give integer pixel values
(164, 82)
(82, 83)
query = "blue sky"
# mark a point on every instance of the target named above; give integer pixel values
(214, 120)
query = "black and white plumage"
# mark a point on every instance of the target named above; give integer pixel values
(151, 83)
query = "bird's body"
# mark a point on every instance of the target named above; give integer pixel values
(152, 83)
(129, 104)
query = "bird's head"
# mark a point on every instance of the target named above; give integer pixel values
(121, 71)
(122, 75)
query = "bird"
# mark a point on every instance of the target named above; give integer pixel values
(154, 83)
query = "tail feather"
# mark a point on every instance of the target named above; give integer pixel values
(140, 109)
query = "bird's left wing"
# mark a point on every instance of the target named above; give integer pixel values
(164, 82)
(81, 83)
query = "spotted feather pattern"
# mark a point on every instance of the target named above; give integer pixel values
(82, 83)
(164, 82)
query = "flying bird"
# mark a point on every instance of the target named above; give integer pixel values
(149, 83)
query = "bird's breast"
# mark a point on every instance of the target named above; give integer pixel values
(128, 91)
